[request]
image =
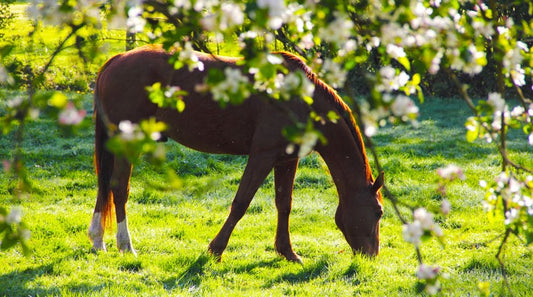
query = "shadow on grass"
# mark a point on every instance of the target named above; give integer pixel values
(309, 272)
(191, 276)
(20, 283)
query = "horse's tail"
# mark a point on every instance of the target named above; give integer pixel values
(104, 162)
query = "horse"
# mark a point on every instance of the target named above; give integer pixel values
(253, 128)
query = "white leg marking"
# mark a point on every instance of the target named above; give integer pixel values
(124, 238)
(96, 232)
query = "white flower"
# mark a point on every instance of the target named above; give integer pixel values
(518, 75)
(451, 172)
(412, 232)
(15, 102)
(4, 76)
(511, 215)
(403, 107)
(230, 15)
(338, 31)
(135, 21)
(333, 73)
(308, 142)
(276, 12)
(517, 111)
(15, 216)
(127, 130)
(71, 116)
(496, 101)
(445, 207)
(395, 51)
(426, 272)
(188, 56)
(295, 83)
(389, 81)
(307, 41)
(235, 82)
(424, 217)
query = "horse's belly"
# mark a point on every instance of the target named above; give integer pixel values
(211, 132)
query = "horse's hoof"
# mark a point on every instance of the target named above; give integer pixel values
(292, 257)
(215, 254)
(95, 250)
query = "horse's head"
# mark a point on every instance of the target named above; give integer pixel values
(358, 218)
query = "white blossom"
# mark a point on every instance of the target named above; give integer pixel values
(129, 131)
(338, 31)
(511, 216)
(389, 81)
(451, 172)
(14, 216)
(424, 217)
(230, 15)
(333, 73)
(308, 142)
(135, 21)
(445, 207)
(276, 12)
(71, 116)
(413, 232)
(403, 107)
(395, 51)
(4, 75)
(235, 82)
(426, 272)
(15, 102)
(496, 101)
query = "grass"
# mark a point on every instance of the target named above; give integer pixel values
(171, 229)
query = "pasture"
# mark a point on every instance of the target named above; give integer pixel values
(171, 228)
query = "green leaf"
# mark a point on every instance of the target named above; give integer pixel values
(416, 79)
(471, 135)
(180, 105)
(58, 100)
(405, 63)
(420, 94)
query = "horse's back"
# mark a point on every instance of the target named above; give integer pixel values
(203, 125)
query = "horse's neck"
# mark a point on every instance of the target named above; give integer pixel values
(346, 162)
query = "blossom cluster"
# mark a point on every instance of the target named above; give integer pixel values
(393, 109)
(234, 85)
(423, 225)
(133, 139)
(489, 124)
(517, 194)
(429, 274)
(52, 13)
(71, 116)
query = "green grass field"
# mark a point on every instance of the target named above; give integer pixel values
(171, 229)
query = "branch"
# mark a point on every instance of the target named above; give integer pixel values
(470, 103)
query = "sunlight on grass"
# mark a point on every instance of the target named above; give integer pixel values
(171, 229)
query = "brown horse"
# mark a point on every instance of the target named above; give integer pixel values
(253, 128)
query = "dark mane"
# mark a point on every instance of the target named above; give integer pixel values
(296, 63)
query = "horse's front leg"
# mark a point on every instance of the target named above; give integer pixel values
(284, 174)
(257, 169)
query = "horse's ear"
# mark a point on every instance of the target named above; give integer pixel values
(378, 183)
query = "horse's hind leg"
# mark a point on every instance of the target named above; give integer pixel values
(284, 174)
(120, 186)
(257, 169)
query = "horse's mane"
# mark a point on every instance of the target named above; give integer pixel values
(330, 94)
